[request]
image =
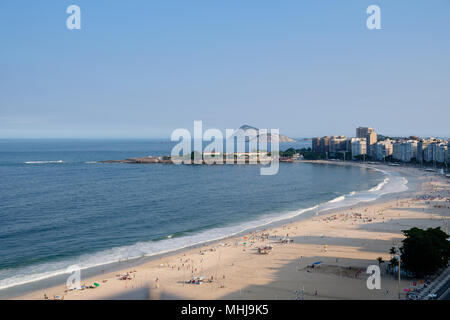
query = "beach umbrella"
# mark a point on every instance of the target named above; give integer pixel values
(96, 284)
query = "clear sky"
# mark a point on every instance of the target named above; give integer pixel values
(143, 68)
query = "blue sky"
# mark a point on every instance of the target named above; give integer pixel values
(143, 68)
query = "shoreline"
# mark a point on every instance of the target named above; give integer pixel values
(263, 221)
(139, 264)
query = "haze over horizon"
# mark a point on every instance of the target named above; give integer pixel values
(143, 69)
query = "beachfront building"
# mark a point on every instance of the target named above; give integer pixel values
(362, 132)
(429, 153)
(422, 149)
(383, 149)
(433, 150)
(405, 151)
(321, 145)
(338, 144)
(371, 138)
(358, 146)
(409, 150)
(315, 143)
(396, 150)
(441, 153)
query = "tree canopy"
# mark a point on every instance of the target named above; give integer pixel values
(425, 251)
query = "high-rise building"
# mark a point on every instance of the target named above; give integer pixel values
(409, 150)
(429, 153)
(371, 138)
(358, 146)
(441, 153)
(383, 149)
(432, 149)
(338, 144)
(396, 150)
(321, 145)
(315, 144)
(405, 151)
(362, 132)
(422, 148)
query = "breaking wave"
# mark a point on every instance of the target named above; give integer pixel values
(44, 162)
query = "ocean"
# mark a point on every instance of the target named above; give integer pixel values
(58, 207)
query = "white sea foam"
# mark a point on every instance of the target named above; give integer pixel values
(44, 162)
(338, 199)
(140, 249)
(10, 277)
(380, 185)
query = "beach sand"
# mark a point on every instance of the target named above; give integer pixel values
(345, 240)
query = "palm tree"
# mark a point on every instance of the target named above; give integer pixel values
(380, 261)
(393, 263)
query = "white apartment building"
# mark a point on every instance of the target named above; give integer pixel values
(358, 146)
(371, 138)
(429, 153)
(362, 132)
(383, 149)
(337, 144)
(441, 153)
(405, 151)
(422, 148)
(436, 151)
(409, 150)
(396, 150)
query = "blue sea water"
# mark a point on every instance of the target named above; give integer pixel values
(58, 207)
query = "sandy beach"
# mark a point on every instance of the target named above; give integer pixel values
(345, 241)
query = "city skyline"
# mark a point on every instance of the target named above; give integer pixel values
(366, 144)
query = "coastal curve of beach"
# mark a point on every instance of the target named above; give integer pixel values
(345, 234)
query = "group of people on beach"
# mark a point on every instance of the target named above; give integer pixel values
(263, 242)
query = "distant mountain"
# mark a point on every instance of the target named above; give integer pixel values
(267, 137)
